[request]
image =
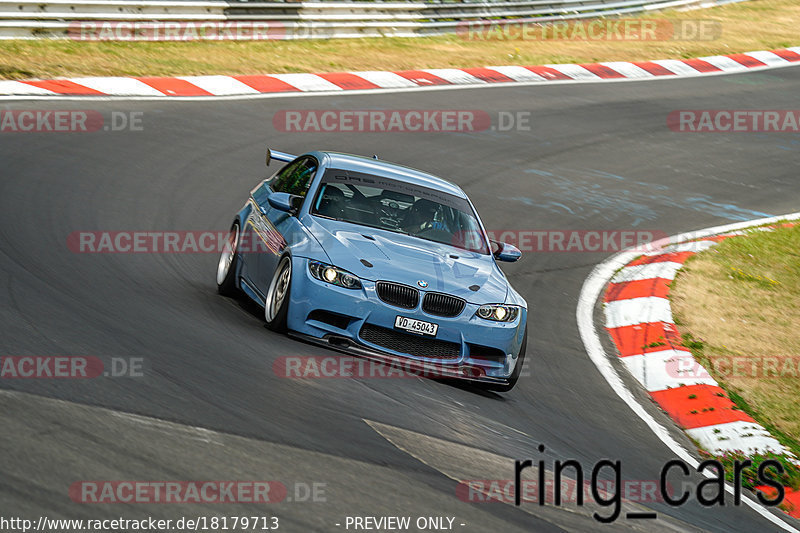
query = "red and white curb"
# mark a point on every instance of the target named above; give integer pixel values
(336, 82)
(639, 320)
(637, 315)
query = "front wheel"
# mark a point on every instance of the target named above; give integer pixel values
(514, 377)
(277, 305)
(226, 268)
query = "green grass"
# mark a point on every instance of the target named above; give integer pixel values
(740, 300)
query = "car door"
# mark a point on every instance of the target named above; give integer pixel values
(273, 229)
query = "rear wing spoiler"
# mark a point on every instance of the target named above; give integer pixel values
(279, 156)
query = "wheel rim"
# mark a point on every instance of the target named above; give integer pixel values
(278, 289)
(228, 253)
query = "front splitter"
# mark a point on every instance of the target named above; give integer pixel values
(404, 364)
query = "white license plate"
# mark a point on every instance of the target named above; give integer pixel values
(416, 326)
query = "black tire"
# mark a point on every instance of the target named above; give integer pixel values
(512, 380)
(228, 263)
(275, 311)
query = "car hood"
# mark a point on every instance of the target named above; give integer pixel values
(405, 259)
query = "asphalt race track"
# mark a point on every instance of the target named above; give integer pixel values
(209, 406)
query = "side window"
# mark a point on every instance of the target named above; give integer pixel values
(260, 193)
(296, 177)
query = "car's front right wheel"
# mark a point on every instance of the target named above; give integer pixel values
(277, 305)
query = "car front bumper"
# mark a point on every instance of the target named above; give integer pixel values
(466, 337)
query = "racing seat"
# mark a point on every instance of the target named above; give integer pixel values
(332, 202)
(420, 214)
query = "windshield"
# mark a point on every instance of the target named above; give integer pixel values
(399, 207)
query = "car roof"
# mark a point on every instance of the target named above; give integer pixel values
(369, 165)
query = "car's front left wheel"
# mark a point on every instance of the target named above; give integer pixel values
(277, 305)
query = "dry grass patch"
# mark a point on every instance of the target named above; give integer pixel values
(754, 25)
(738, 306)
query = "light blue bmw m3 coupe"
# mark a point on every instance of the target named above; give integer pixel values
(381, 261)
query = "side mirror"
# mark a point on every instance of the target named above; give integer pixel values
(285, 202)
(269, 156)
(506, 252)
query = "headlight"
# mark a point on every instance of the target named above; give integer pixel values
(498, 312)
(334, 276)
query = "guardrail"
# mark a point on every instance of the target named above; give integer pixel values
(31, 19)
